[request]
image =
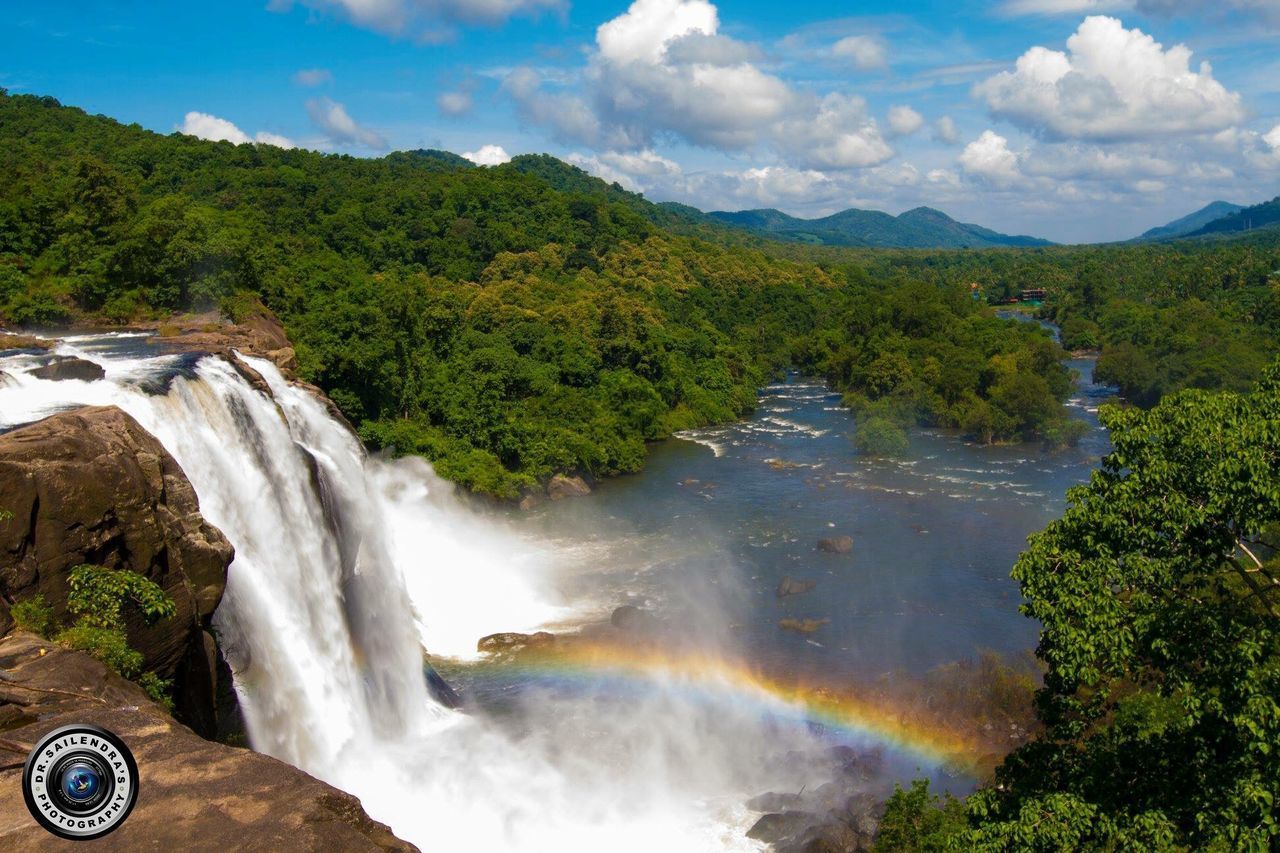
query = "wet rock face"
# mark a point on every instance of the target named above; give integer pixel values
(193, 793)
(91, 486)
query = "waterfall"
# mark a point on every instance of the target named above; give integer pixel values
(315, 621)
(346, 569)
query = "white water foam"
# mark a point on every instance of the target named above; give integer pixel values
(345, 567)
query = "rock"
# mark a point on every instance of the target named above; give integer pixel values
(512, 642)
(10, 341)
(65, 367)
(630, 618)
(836, 544)
(773, 802)
(284, 358)
(794, 587)
(562, 487)
(802, 626)
(193, 793)
(260, 335)
(92, 486)
(777, 827)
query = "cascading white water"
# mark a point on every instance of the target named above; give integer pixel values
(345, 568)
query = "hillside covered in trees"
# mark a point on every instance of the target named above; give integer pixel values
(503, 327)
(518, 321)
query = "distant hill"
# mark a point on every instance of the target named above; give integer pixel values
(1263, 215)
(432, 159)
(1192, 222)
(921, 228)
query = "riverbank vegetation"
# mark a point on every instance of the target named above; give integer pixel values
(1159, 595)
(1194, 314)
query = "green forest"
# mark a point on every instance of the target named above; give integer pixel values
(507, 323)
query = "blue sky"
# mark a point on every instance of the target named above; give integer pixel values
(1076, 120)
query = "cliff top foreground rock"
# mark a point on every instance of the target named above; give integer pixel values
(194, 794)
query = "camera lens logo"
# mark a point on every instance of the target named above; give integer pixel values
(80, 782)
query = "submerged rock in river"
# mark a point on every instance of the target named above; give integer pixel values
(836, 544)
(788, 586)
(802, 626)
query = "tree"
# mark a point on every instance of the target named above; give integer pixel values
(915, 821)
(877, 436)
(1159, 595)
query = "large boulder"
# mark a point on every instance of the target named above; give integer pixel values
(63, 367)
(561, 487)
(192, 793)
(92, 486)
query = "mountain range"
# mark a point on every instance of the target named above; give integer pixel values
(921, 228)
(1190, 223)
(1265, 215)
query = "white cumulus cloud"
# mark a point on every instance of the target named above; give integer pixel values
(904, 121)
(642, 33)
(332, 119)
(1272, 138)
(840, 135)
(662, 70)
(989, 157)
(207, 126)
(1112, 84)
(488, 155)
(866, 53)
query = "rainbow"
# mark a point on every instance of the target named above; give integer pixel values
(877, 720)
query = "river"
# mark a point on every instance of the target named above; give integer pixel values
(347, 567)
(721, 516)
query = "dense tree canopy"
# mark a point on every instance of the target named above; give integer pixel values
(1159, 596)
(506, 322)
